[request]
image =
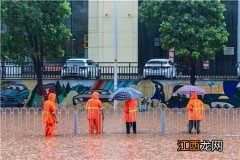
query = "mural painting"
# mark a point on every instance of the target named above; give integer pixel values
(13, 94)
(76, 93)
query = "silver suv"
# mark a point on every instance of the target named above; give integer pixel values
(79, 67)
(159, 67)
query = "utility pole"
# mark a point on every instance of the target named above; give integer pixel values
(238, 33)
(115, 46)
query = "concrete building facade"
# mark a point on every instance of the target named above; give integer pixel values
(92, 26)
(101, 31)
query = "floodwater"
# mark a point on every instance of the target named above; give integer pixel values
(112, 147)
(113, 144)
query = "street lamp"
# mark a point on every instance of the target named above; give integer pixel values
(115, 46)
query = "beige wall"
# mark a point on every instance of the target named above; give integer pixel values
(101, 31)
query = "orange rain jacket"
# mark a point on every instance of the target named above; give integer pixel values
(49, 109)
(130, 110)
(195, 108)
(93, 106)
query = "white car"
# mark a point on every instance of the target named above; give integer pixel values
(79, 67)
(159, 67)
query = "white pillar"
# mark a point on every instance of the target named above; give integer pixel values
(115, 45)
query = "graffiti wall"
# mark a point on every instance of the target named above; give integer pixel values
(25, 92)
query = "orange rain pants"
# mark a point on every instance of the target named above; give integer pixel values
(50, 129)
(49, 115)
(94, 115)
(95, 124)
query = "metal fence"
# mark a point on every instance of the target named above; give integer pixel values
(159, 121)
(126, 70)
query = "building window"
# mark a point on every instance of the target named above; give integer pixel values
(78, 24)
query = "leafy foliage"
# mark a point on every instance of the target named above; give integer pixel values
(194, 28)
(34, 28)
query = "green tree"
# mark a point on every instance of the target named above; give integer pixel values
(194, 28)
(35, 29)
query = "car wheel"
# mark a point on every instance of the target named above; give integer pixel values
(225, 106)
(218, 106)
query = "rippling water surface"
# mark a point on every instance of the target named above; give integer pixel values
(113, 144)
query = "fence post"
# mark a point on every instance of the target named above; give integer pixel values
(163, 123)
(75, 121)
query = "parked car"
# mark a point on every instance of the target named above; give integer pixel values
(159, 67)
(238, 70)
(14, 95)
(78, 67)
(104, 96)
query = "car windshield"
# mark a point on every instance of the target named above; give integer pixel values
(75, 63)
(16, 87)
(103, 92)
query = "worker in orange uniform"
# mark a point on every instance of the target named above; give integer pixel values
(195, 109)
(49, 115)
(94, 114)
(130, 110)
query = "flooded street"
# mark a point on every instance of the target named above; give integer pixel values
(22, 138)
(114, 146)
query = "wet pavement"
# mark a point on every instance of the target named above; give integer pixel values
(119, 146)
(28, 143)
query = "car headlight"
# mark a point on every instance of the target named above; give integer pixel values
(109, 99)
(80, 99)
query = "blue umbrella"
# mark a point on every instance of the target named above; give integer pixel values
(123, 94)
